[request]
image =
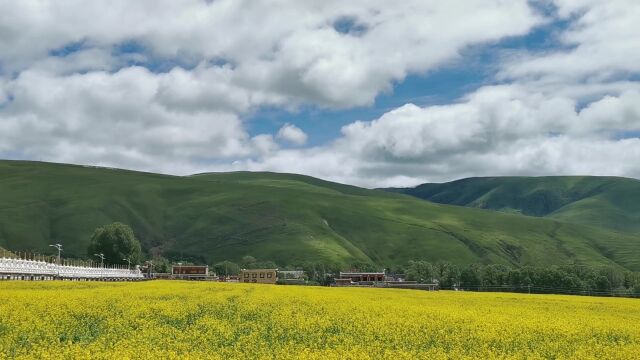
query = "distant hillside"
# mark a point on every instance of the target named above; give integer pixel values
(610, 202)
(281, 217)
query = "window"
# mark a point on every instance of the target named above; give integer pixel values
(246, 275)
(261, 275)
(254, 275)
(269, 275)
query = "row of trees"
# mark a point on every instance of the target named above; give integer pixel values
(572, 279)
(118, 244)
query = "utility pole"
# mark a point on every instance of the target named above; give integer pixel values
(101, 256)
(150, 267)
(59, 247)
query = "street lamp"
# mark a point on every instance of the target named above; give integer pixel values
(129, 261)
(59, 247)
(101, 256)
(149, 267)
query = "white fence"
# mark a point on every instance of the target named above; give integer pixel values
(20, 269)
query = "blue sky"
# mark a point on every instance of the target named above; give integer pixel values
(367, 93)
(476, 66)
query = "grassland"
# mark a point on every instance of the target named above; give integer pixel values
(609, 202)
(181, 320)
(286, 218)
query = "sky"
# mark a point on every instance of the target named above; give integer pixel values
(371, 93)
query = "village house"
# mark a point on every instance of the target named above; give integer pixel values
(379, 279)
(361, 277)
(261, 276)
(190, 272)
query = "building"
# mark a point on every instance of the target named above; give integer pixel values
(190, 272)
(360, 277)
(379, 279)
(261, 276)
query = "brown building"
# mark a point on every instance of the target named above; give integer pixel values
(190, 271)
(358, 277)
(379, 280)
(262, 276)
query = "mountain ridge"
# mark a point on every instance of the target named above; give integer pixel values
(286, 218)
(604, 201)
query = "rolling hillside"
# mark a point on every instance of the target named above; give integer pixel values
(281, 217)
(609, 202)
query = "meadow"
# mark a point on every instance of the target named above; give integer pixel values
(181, 320)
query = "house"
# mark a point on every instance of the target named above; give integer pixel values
(262, 276)
(379, 279)
(190, 272)
(360, 277)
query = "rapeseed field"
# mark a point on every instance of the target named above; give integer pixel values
(198, 320)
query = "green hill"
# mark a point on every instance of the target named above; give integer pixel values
(281, 217)
(609, 202)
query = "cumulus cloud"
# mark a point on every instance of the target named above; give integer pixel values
(572, 110)
(598, 51)
(498, 130)
(164, 86)
(286, 48)
(117, 119)
(292, 134)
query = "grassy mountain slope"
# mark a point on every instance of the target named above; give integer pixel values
(610, 202)
(281, 217)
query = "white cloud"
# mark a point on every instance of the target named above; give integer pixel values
(292, 134)
(599, 48)
(264, 144)
(497, 130)
(114, 119)
(572, 110)
(280, 48)
(164, 86)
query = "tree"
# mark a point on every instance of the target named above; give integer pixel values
(248, 262)
(161, 264)
(226, 268)
(117, 242)
(420, 271)
(471, 277)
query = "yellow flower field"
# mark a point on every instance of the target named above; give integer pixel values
(172, 319)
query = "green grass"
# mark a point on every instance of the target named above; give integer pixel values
(609, 202)
(281, 217)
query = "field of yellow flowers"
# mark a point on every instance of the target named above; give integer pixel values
(180, 320)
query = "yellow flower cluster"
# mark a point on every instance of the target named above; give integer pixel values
(200, 320)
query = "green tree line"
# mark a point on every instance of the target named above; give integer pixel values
(570, 279)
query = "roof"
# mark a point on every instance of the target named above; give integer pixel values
(258, 269)
(360, 273)
(188, 266)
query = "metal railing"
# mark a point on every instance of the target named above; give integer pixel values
(13, 268)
